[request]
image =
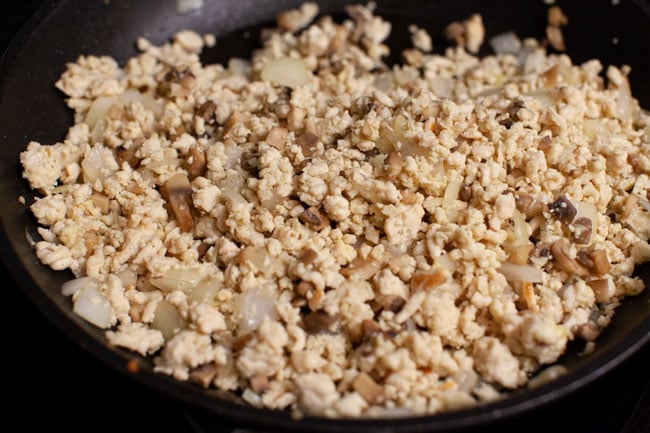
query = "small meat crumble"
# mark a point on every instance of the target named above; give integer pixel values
(322, 233)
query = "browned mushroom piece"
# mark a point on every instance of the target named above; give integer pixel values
(393, 303)
(102, 202)
(204, 374)
(308, 256)
(259, 383)
(196, 163)
(465, 194)
(560, 251)
(367, 388)
(128, 155)
(236, 118)
(277, 137)
(305, 287)
(550, 80)
(206, 111)
(545, 143)
(582, 230)
(179, 193)
(318, 321)
(600, 262)
(361, 269)
(369, 327)
(563, 210)
(184, 78)
(313, 218)
(603, 289)
(307, 142)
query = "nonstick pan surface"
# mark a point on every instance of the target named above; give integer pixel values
(32, 109)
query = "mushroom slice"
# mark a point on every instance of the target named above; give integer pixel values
(179, 192)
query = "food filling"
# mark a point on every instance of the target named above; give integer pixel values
(320, 232)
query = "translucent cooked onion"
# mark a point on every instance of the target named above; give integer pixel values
(286, 71)
(452, 191)
(147, 101)
(167, 319)
(523, 273)
(205, 291)
(91, 305)
(184, 279)
(252, 306)
(521, 229)
(506, 43)
(71, 287)
(98, 110)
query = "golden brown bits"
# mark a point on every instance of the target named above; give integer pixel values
(308, 256)
(307, 142)
(318, 321)
(196, 163)
(206, 111)
(368, 388)
(240, 342)
(361, 269)
(545, 143)
(128, 155)
(102, 202)
(603, 289)
(314, 219)
(392, 303)
(549, 79)
(259, 383)
(179, 192)
(560, 251)
(582, 230)
(204, 374)
(427, 280)
(369, 327)
(235, 119)
(277, 137)
(563, 210)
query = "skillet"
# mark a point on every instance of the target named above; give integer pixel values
(31, 109)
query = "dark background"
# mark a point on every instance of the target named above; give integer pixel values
(51, 384)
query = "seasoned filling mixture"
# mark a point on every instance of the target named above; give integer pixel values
(322, 233)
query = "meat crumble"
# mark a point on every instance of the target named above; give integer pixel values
(323, 233)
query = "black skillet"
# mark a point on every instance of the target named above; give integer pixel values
(31, 109)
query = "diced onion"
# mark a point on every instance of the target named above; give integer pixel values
(184, 279)
(523, 273)
(506, 43)
(252, 306)
(71, 287)
(98, 110)
(91, 305)
(167, 319)
(521, 228)
(286, 71)
(237, 66)
(147, 101)
(442, 87)
(205, 291)
(452, 191)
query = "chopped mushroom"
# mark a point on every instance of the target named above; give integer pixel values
(560, 251)
(179, 192)
(307, 142)
(393, 303)
(587, 331)
(206, 111)
(427, 280)
(604, 289)
(368, 388)
(313, 218)
(204, 374)
(318, 321)
(563, 210)
(196, 162)
(582, 228)
(361, 269)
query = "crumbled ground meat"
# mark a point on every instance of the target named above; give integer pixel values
(337, 239)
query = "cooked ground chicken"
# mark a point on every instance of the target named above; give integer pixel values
(324, 234)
